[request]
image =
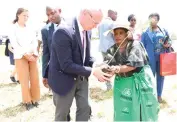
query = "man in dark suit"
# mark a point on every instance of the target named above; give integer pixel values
(70, 65)
(53, 14)
(54, 18)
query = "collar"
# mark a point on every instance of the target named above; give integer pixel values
(79, 25)
(108, 18)
(17, 25)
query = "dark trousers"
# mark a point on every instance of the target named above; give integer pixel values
(63, 103)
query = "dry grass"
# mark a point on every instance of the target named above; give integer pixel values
(98, 94)
(164, 104)
(12, 111)
(3, 85)
(101, 105)
(15, 110)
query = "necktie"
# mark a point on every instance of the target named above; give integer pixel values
(83, 39)
(83, 44)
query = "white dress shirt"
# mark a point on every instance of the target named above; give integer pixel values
(83, 38)
(23, 40)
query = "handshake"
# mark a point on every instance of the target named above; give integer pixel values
(103, 72)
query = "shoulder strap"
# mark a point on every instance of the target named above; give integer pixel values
(144, 51)
(165, 34)
(129, 47)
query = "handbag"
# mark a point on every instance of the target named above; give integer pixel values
(168, 64)
(6, 52)
(168, 59)
(166, 39)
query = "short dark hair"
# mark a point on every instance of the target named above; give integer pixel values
(130, 17)
(154, 15)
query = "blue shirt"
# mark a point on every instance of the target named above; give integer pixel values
(105, 41)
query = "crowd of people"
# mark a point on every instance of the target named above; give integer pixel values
(131, 56)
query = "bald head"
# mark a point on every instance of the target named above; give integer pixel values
(112, 14)
(90, 18)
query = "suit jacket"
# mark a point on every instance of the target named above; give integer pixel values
(46, 33)
(66, 61)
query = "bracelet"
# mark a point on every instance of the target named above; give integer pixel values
(117, 69)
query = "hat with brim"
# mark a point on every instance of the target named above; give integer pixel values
(125, 27)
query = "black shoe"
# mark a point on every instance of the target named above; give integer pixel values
(13, 79)
(36, 104)
(68, 118)
(28, 106)
(18, 81)
(90, 114)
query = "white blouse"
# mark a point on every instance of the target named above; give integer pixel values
(23, 40)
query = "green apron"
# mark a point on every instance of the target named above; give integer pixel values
(132, 92)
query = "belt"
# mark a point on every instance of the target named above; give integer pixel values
(159, 50)
(125, 74)
(81, 77)
(129, 74)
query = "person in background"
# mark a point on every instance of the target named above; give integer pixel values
(47, 22)
(0, 41)
(136, 34)
(39, 39)
(12, 62)
(106, 41)
(54, 19)
(153, 40)
(24, 42)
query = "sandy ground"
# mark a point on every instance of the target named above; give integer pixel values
(11, 109)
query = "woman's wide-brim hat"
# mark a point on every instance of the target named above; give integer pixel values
(117, 26)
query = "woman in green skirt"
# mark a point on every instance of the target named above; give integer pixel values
(135, 96)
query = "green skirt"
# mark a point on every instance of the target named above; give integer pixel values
(135, 97)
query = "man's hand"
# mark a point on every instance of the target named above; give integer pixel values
(100, 75)
(45, 82)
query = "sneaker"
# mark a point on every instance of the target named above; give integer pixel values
(160, 99)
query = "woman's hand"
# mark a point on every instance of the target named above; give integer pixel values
(35, 57)
(166, 45)
(30, 57)
(27, 56)
(115, 69)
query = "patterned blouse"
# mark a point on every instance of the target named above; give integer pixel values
(134, 55)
